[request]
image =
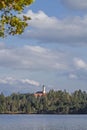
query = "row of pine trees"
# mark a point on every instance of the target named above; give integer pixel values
(54, 102)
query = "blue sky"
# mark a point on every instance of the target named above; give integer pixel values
(52, 50)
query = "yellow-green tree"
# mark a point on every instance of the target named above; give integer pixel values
(10, 22)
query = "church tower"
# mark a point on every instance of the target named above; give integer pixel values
(40, 93)
(44, 89)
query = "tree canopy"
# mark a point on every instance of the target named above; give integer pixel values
(10, 22)
(54, 102)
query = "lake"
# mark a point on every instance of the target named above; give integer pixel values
(43, 122)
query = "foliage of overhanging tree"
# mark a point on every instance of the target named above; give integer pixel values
(10, 22)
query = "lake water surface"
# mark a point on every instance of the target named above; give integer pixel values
(43, 122)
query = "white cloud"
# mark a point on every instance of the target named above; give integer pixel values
(72, 76)
(9, 85)
(80, 64)
(76, 4)
(31, 82)
(14, 81)
(32, 57)
(54, 30)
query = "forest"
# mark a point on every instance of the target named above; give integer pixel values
(54, 102)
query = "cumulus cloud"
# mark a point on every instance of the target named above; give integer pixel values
(41, 60)
(32, 57)
(54, 30)
(80, 64)
(76, 4)
(9, 85)
(31, 82)
(14, 81)
(79, 70)
(80, 75)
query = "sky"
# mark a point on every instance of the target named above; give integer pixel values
(52, 51)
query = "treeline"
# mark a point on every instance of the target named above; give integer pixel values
(54, 102)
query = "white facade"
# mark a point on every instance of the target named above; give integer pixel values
(44, 89)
